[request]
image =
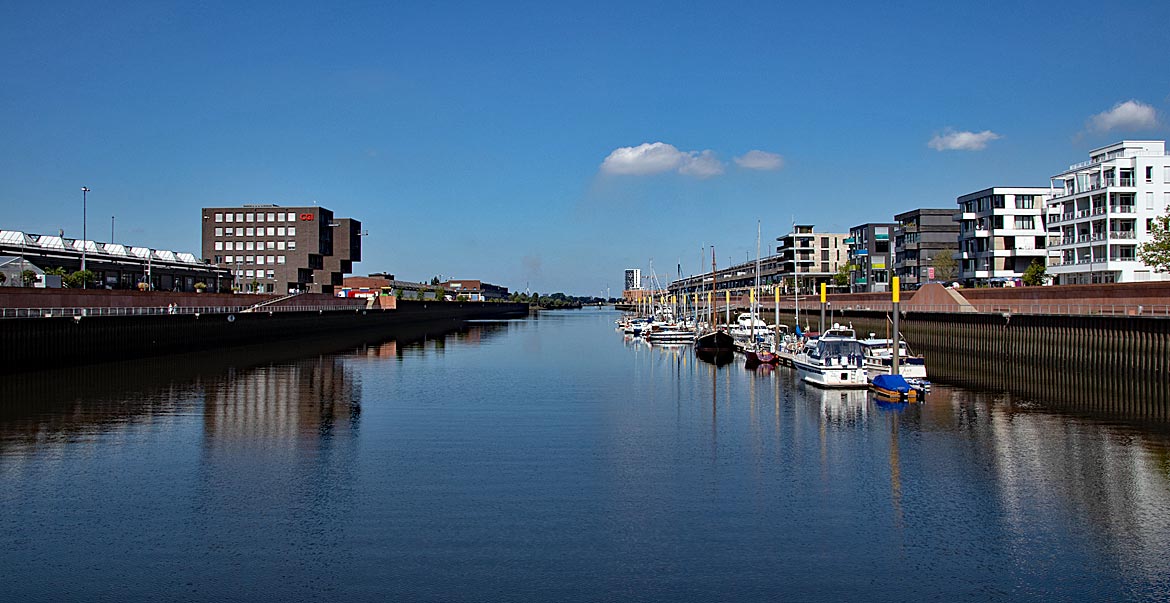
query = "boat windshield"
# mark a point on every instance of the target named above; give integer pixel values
(832, 348)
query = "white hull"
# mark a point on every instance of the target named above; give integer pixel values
(839, 376)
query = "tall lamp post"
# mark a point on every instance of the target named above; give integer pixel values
(84, 192)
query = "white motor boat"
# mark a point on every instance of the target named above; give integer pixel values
(835, 359)
(879, 360)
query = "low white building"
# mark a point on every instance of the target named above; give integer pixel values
(1001, 232)
(1101, 210)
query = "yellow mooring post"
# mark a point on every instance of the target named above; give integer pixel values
(824, 298)
(897, 292)
(727, 306)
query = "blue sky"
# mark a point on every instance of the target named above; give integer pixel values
(505, 141)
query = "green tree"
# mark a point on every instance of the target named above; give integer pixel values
(945, 266)
(3, 278)
(1156, 252)
(79, 279)
(1036, 274)
(28, 277)
(58, 271)
(434, 280)
(841, 279)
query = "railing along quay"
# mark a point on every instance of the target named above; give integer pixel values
(162, 310)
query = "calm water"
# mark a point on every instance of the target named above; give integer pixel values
(551, 460)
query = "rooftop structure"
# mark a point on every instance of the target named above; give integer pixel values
(115, 266)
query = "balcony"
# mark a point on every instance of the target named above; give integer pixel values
(1123, 234)
(1121, 209)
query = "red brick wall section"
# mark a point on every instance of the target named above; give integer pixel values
(27, 297)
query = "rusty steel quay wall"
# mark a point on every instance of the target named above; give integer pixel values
(45, 343)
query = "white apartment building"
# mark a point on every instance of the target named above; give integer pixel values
(1102, 209)
(1001, 232)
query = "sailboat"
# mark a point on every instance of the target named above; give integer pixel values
(756, 352)
(715, 345)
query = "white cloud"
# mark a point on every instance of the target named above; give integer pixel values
(646, 158)
(760, 160)
(1130, 115)
(658, 157)
(701, 165)
(951, 140)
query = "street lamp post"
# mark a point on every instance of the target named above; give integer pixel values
(84, 192)
(111, 229)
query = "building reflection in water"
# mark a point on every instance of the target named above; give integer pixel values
(318, 397)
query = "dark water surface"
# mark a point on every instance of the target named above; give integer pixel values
(550, 460)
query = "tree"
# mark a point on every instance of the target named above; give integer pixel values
(1155, 253)
(79, 278)
(28, 277)
(944, 266)
(1036, 274)
(434, 280)
(3, 278)
(841, 279)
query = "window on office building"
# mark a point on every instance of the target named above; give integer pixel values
(231, 217)
(270, 231)
(280, 259)
(219, 217)
(1149, 200)
(1149, 173)
(1166, 175)
(229, 259)
(1025, 201)
(280, 245)
(239, 217)
(292, 245)
(271, 259)
(251, 217)
(259, 217)
(250, 232)
(251, 259)
(271, 217)
(260, 260)
(280, 231)
(239, 245)
(271, 274)
(292, 231)
(229, 231)
(249, 246)
(260, 245)
(219, 245)
(1024, 222)
(219, 232)
(249, 273)
(292, 217)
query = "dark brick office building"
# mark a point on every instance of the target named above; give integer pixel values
(276, 249)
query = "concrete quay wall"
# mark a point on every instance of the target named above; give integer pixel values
(38, 343)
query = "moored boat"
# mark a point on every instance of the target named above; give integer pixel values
(834, 359)
(894, 387)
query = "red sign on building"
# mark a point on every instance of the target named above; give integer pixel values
(306, 217)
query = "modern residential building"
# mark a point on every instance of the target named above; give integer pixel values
(870, 256)
(811, 257)
(633, 278)
(275, 249)
(920, 236)
(1101, 210)
(1001, 232)
(115, 266)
